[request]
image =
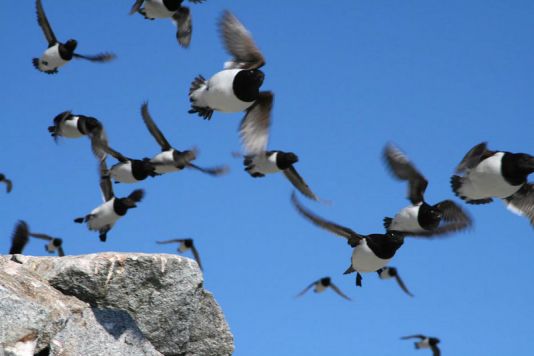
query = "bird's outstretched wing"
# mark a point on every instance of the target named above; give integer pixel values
(522, 202)
(170, 241)
(9, 185)
(299, 183)
(105, 181)
(212, 171)
(306, 289)
(401, 284)
(184, 26)
(101, 57)
(435, 350)
(325, 224)
(19, 238)
(418, 336)
(153, 128)
(254, 128)
(41, 236)
(473, 157)
(136, 6)
(44, 24)
(403, 169)
(60, 251)
(239, 43)
(196, 256)
(338, 291)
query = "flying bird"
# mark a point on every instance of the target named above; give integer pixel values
(236, 87)
(54, 244)
(164, 9)
(19, 237)
(421, 218)
(69, 125)
(425, 343)
(370, 252)
(7, 182)
(171, 159)
(391, 272)
(185, 245)
(58, 53)
(103, 217)
(320, 285)
(496, 174)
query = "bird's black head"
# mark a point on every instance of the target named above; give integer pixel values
(429, 216)
(525, 162)
(172, 5)
(57, 242)
(247, 84)
(325, 281)
(188, 243)
(71, 45)
(433, 341)
(284, 160)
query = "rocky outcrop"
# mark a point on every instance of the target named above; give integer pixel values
(110, 303)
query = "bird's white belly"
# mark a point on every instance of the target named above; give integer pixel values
(406, 220)
(166, 162)
(265, 164)
(103, 216)
(50, 247)
(425, 344)
(122, 172)
(220, 94)
(69, 128)
(155, 9)
(485, 180)
(51, 59)
(364, 260)
(319, 288)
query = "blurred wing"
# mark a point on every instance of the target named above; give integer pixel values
(196, 1)
(184, 26)
(239, 43)
(43, 23)
(305, 290)
(41, 236)
(99, 140)
(435, 350)
(197, 256)
(213, 171)
(338, 291)
(19, 238)
(105, 182)
(101, 57)
(403, 169)
(101, 145)
(402, 285)
(60, 251)
(170, 241)
(9, 185)
(299, 183)
(522, 202)
(254, 128)
(136, 6)
(153, 128)
(473, 157)
(325, 224)
(418, 336)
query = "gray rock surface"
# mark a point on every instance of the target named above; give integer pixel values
(162, 293)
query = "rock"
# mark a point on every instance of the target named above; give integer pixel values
(162, 293)
(39, 318)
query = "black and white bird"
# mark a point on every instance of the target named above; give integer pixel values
(370, 252)
(185, 245)
(66, 124)
(421, 218)
(128, 170)
(7, 182)
(103, 217)
(171, 159)
(58, 54)
(321, 285)
(254, 132)
(391, 272)
(237, 87)
(425, 343)
(496, 174)
(19, 237)
(164, 9)
(54, 243)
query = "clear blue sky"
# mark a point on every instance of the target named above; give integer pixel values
(434, 77)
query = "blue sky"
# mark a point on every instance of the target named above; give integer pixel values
(436, 78)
